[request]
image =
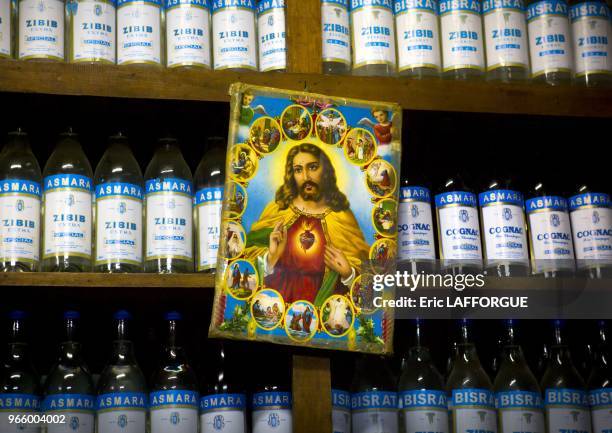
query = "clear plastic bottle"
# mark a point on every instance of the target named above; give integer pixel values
(272, 399)
(122, 389)
(20, 196)
(69, 388)
(174, 396)
(463, 54)
(187, 33)
(506, 43)
(336, 36)
(119, 217)
(40, 30)
(169, 216)
(418, 38)
(209, 181)
(234, 35)
(600, 382)
(373, 36)
(67, 208)
(271, 34)
(139, 32)
(6, 28)
(592, 35)
(549, 41)
(19, 382)
(91, 32)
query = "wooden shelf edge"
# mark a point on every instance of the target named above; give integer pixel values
(202, 85)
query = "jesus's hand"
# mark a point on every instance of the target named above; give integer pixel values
(337, 261)
(278, 242)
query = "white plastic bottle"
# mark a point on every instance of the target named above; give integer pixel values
(40, 30)
(234, 35)
(91, 31)
(187, 33)
(139, 32)
(271, 35)
(336, 36)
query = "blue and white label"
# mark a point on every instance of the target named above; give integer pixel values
(503, 222)
(271, 33)
(567, 410)
(41, 29)
(20, 221)
(223, 413)
(93, 30)
(78, 410)
(187, 33)
(169, 219)
(600, 401)
(336, 31)
(174, 411)
(374, 411)
(139, 32)
(549, 38)
(591, 217)
(461, 29)
(373, 33)
(208, 203)
(592, 32)
(5, 28)
(234, 38)
(18, 405)
(122, 412)
(415, 225)
(341, 411)
(118, 223)
(424, 411)
(458, 228)
(520, 411)
(271, 412)
(68, 213)
(506, 33)
(418, 40)
(473, 410)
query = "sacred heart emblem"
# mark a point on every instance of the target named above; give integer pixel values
(307, 237)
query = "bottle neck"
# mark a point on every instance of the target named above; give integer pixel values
(173, 350)
(512, 354)
(18, 353)
(123, 353)
(70, 352)
(466, 354)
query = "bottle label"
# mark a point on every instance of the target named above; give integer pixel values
(600, 401)
(169, 219)
(374, 412)
(272, 412)
(139, 31)
(503, 221)
(341, 411)
(592, 34)
(415, 225)
(234, 40)
(67, 200)
(567, 410)
(188, 32)
(520, 411)
(373, 33)
(19, 221)
(461, 25)
(174, 411)
(551, 237)
(271, 31)
(506, 33)
(473, 410)
(93, 30)
(41, 29)
(5, 28)
(458, 227)
(418, 43)
(18, 405)
(208, 205)
(223, 413)
(424, 411)
(591, 217)
(336, 31)
(118, 223)
(549, 40)
(78, 410)
(122, 412)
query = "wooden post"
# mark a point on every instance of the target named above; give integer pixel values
(312, 411)
(303, 27)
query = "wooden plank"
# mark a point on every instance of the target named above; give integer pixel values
(86, 279)
(311, 394)
(304, 36)
(438, 95)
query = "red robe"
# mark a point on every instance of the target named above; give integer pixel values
(383, 133)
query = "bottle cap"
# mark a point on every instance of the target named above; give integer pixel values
(122, 315)
(71, 314)
(19, 132)
(69, 132)
(17, 315)
(173, 315)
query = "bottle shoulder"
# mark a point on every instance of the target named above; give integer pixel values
(122, 378)
(68, 160)
(166, 165)
(69, 379)
(18, 380)
(118, 167)
(420, 376)
(468, 376)
(514, 376)
(175, 377)
(562, 376)
(20, 165)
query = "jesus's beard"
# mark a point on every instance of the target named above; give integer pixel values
(313, 195)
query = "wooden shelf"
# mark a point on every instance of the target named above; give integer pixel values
(201, 85)
(93, 280)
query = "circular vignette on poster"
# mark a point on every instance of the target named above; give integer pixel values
(330, 126)
(267, 309)
(235, 240)
(380, 178)
(301, 321)
(384, 217)
(240, 279)
(296, 122)
(382, 255)
(264, 135)
(237, 200)
(243, 162)
(337, 316)
(362, 294)
(360, 146)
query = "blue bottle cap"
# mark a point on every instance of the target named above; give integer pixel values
(122, 315)
(17, 315)
(173, 315)
(71, 314)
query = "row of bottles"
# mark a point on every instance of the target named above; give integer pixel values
(175, 400)
(48, 221)
(469, 401)
(546, 40)
(241, 34)
(543, 231)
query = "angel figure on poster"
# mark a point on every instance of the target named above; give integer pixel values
(247, 113)
(382, 127)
